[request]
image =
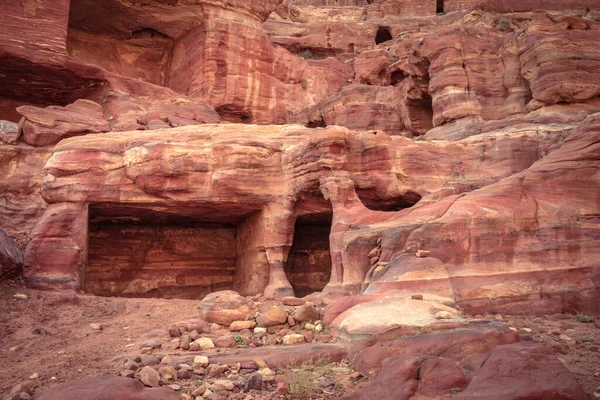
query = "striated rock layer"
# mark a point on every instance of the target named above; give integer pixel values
(451, 154)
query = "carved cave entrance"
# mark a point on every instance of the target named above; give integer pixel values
(309, 262)
(152, 252)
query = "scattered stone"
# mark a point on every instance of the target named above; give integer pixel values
(199, 391)
(239, 325)
(260, 329)
(20, 296)
(417, 297)
(25, 386)
(13, 348)
(174, 331)
(216, 370)
(184, 342)
(195, 335)
(96, 327)
(146, 350)
(309, 327)
(567, 340)
(291, 321)
(276, 329)
(175, 387)
(184, 374)
(423, 253)
(149, 377)
(167, 373)
(443, 315)
(131, 365)
(265, 372)
(222, 384)
(308, 335)
(319, 328)
(275, 316)
(127, 373)
(155, 344)
(9, 132)
(225, 341)
(292, 301)
(33, 376)
(201, 361)
(254, 382)
(560, 347)
(293, 339)
(149, 360)
(307, 312)
(185, 367)
(528, 330)
(260, 363)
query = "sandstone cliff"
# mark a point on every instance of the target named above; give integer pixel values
(175, 149)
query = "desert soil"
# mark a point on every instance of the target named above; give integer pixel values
(49, 334)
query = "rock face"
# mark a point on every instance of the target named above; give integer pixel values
(11, 258)
(481, 364)
(448, 156)
(47, 126)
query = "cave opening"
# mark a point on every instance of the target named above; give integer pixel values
(420, 114)
(309, 262)
(373, 201)
(383, 35)
(440, 7)
(233, 114)
(136, 251)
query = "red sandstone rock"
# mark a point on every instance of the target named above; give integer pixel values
(9, 132)
(275, 316)
(43, 127)
(225, 307)
(522, 370)
(455, 345)
(11, 258)
(106, 387)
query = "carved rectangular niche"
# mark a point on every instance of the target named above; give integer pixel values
(150, 252)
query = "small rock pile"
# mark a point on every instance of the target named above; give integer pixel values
(227, 321)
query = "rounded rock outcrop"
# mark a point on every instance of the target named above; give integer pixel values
(225, 307)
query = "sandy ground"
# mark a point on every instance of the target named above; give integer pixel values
(66, 347)
(49, 334)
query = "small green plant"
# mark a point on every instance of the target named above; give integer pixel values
(199, 382)
(302, 380)
(503, 24)
(423, 331)
(307, 322)
(584, 318)
(238, 339)
(307, 55)
(455, 390)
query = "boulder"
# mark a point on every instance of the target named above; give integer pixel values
(225, 307)
(307, 312)
(273, 317)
